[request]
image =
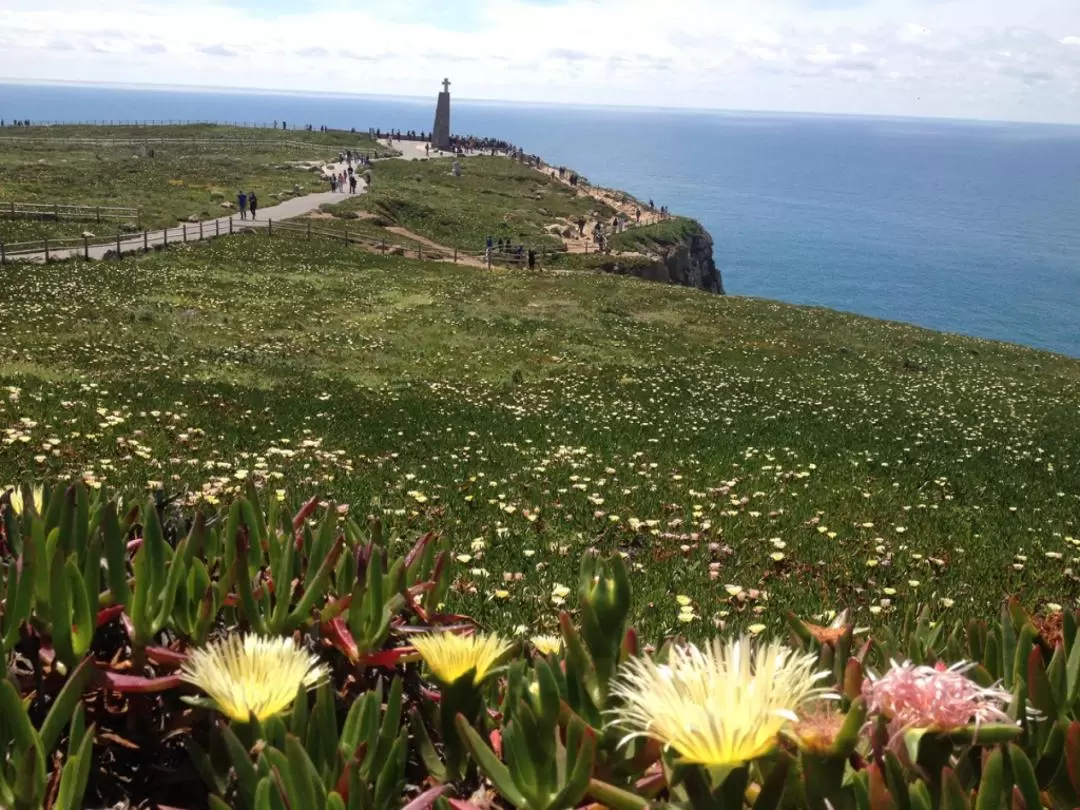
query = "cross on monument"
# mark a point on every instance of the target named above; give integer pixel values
(446, 85)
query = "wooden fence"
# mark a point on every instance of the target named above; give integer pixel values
(95, 213)
(72, 247)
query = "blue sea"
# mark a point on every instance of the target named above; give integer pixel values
(962, 226)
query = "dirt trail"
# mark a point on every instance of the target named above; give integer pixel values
(449, 252)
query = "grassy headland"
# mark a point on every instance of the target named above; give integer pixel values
(493, 197)
(181, 180)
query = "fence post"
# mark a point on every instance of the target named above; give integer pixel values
(269, 227)
(200, 230)
(346, 234)
(56, 212)
(13, 209)
(86, 247)
(165, 241)
(455, 254)
(99, 213)
(309, 230)
(2, 256)
(184, 231)
(419, 251)
(217, 227)
(118, 246)
(46, 251)
(230, 225)
(146, 241)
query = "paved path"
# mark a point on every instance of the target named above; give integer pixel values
(208, 228)
(413, 150)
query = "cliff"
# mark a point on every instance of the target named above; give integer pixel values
(678, 251)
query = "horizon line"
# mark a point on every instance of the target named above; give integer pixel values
(233, 90)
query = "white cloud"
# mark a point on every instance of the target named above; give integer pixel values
(978, 58)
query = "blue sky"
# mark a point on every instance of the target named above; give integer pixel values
(1017, 59)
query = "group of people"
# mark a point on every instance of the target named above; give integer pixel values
(517, 253)
(340, 180)
(349, 156)
(25, 123)
(246, 203)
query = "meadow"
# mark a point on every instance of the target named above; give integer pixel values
(493, 197)
(180, 181)
(747, 458)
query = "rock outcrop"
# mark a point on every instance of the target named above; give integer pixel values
(675, 252)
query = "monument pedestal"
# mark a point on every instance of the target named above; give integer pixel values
(440, 133)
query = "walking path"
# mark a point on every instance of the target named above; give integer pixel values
(308, 203)
(207, 228)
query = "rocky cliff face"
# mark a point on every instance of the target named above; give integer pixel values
(679, 254)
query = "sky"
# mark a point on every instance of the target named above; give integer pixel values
(992, 59)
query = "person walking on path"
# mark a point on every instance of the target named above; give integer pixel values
(333, 182)
(252, 203)
(352, 183)
(241, 203)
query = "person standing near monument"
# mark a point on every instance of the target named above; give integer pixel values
(253, 203)
(241, 203)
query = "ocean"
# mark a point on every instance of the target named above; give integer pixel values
(970, 227)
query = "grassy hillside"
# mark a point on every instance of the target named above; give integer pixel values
(180, 180)
(747, 456)
(493, 197)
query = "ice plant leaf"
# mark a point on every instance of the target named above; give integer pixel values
(498, 773)
(718, 706)
(992, 785)
(1024, 776)
(253, 675)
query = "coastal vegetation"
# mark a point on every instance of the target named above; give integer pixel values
(194, 173)
(493, 197)
(289, 524)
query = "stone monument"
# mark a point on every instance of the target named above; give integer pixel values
(440, 133)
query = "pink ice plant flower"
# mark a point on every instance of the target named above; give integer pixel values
(933, 698)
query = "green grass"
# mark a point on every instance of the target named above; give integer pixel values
(336, 138)
(494, 197)
(179, 181)
(648, 237)
(530, 417)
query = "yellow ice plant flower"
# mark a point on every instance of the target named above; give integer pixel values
(718, 706)
(547, 645)
(450, 657)
(253, 675)
(16, 500)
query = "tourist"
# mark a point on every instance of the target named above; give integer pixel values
(333, 183)
(284, 125)
(252, 203)
(637, 214)
(490, 245)
(581, 226)
(532, 259)
(241, 203)
(352, 183)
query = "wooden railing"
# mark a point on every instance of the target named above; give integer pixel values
(96, 213)
(72, 247)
